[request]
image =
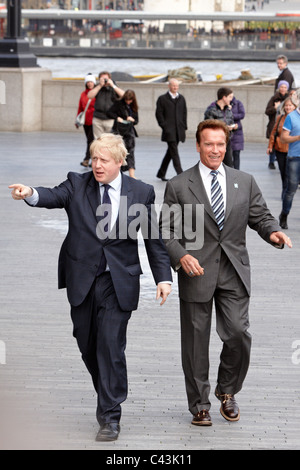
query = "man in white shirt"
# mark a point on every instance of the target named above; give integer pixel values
(99, 265)
(214, 268)
(171, 116)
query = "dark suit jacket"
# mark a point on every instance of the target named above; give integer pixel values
(171, 116)
(245, 206)
(81, 251)
(286, 75)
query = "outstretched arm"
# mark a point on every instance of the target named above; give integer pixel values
(50, 198)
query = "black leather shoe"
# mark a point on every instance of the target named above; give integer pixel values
(229, 407)
(163, 179)
(108, 432)
(283, 221)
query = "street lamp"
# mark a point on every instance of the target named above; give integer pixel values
(14, 50)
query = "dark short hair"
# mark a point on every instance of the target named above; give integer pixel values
(223, 92)
(212, 124)
(104, 73)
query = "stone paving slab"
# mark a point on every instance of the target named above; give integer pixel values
(46, 396)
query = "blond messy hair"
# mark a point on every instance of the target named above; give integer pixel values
(112, 142)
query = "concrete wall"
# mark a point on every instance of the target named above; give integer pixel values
(30, 100)
(60, 102)
(21, 98)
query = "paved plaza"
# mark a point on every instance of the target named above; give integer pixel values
(47, 399)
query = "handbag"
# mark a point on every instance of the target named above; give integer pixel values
(80, 119)
(123, 128)
(276, 132)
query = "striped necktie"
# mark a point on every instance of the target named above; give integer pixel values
(217, 202)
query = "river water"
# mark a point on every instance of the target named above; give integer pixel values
(62, 67)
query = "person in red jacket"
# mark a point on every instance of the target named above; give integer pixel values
(90, 83)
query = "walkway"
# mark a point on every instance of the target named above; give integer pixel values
(46, 396)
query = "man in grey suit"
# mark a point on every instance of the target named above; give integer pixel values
(205, 237)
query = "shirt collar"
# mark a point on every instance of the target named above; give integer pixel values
(174, 96)
(205, 171)
(116, 183)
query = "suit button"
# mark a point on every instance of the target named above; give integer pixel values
(217, 260)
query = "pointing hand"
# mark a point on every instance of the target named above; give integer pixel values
(19, 191)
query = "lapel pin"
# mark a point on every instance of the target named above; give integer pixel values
(236, 185)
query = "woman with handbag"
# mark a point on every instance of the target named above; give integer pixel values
(85, 115)
(272, 111)
(125, 115)
(275, 143)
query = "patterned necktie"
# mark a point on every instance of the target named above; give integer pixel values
(217, 202)
(105, 200)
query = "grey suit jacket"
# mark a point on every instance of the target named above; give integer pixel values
(245, 206)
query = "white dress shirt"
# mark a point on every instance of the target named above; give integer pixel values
(114, 194)
(207, 178)
(174, 95)
(34, 198)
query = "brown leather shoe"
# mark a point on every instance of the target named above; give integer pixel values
(202, 418)
(229, 407)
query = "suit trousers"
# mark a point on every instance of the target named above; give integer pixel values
(171, 154)
(231, 306)
(101, 125)
(100, 327)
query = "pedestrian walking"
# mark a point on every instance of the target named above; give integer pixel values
(213, 267)
(275, 142)
(87, 105)
(291, 136)
(171, 115)
(126, 117)
(272, 110)
(237, 136)
(100, 268)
